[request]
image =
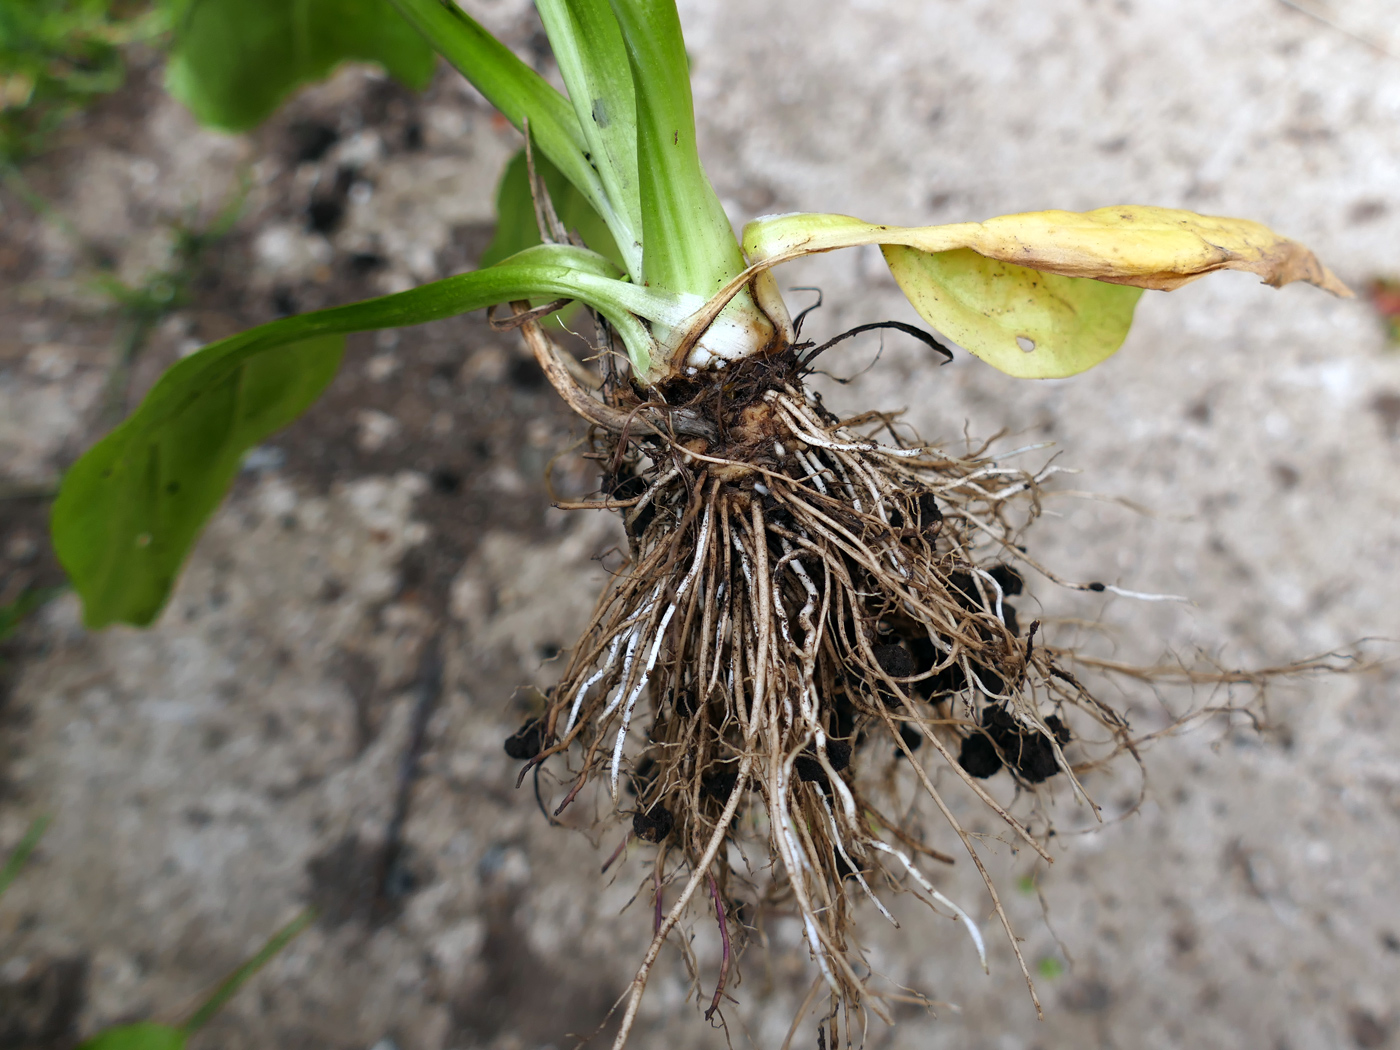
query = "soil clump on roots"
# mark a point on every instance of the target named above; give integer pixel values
(801, 609)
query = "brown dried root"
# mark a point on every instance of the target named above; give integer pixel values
(794, 592)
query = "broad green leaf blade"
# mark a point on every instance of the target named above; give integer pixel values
(143, 1036)
(592, 59)
(234, 61)
(1027, 323)
(521, 94)
(1146, 247)
(130, 509)
(516, 228)
(689, 245)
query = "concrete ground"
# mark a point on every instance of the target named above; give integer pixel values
(246, 756)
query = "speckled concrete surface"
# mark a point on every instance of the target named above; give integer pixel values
(211, 775)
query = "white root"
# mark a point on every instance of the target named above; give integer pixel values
(855, 871)
(972, 929)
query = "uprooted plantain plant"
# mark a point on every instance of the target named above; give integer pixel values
(799, 597)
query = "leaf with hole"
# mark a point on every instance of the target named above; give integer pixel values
(1027, 323)
(592, 59)
(1046, 294)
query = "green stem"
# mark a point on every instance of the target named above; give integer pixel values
(521, 94)
(690, 246)
(592, 60)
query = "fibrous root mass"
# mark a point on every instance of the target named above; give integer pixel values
(802, 608)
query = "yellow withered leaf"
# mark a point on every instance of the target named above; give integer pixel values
(1160, 248)
(1046, 294)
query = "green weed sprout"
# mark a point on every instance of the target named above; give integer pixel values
(148, 1035)
(57, 56)
(796, 590)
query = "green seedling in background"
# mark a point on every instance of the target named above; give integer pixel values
(144, 306)
(1050, 967)
(57, 56)
(147, 1035)
(1384, 294)
(19, 856)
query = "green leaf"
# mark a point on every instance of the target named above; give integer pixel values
(521, 94)
(20, 856)
(57, 56)
(230, 985)
(130, 509)
(12, 614)
(234, 61)
(149, 1036)
(143, 1036)
(516, 228)
(1027, 323)
(592, 59)
(689, 245)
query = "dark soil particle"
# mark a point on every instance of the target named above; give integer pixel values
(327, 208)
(1034, 758)
(809, 768)
(844, 723)
(654, 824)
(625, 488)
(1028, 752)
(838, 753)
(683, 701)
(895, 660)
(930, 517)
(843, 869)
(1008, 617)
(719, 784)
(912, 738)
(40, 1005)
(527, 741)
(1008, 579)
(963, 590)
(978, 756)
(309, 140)
(926, 657)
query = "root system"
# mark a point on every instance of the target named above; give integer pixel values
(802, 608)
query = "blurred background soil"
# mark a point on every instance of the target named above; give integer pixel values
(318, 715)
